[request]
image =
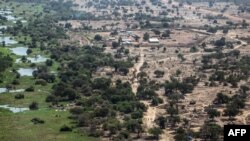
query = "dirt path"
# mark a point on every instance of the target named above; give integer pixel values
(166, 136)
(242, 42)
(150, 114)
(137, 70)
(244, 117)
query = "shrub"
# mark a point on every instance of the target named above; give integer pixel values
(19, 96)
(49, 62)
(50, 98)
(98, 37)
(159, 73)
(15, 82)
(65, 128)
(221, 42)
(33, 106)
(37, 121)
(41, 82)
(32, 65)
(29, 51)
(18, 75)
(30, 89)
(96, 133)
(104, 45)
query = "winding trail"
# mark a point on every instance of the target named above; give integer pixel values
(150, 114)
(137, 70)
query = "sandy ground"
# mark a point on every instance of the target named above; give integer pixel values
(169, 62)
(137, 70)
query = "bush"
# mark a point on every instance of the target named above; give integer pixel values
(49, 62)
(33, 106)
(76, 110)
(137, 115)
(19, 96)
(29, 51)
(15, 82)
(41, 82)
(159, 73)
(156, 100)
(98, 37)
(50, 98)
(96, 133)
(18, 75)
(221, 42)
(30, 89)
(194, 49)
(104, 45)
(65, 128)
(37, 121)
(32, 65)
(115, 44)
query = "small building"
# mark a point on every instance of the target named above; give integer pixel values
(111, 39)
(126, 40)
(153, 40)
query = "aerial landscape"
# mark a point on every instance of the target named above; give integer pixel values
(123, 70)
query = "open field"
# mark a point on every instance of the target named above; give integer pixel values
(19, 126)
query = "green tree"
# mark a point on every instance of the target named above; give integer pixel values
(231, 110)
(146, 36)
(134, 126)
(159, 73)
(126, 51)
(157, 32)
(29, 51)
(155, 131)
(211, 131)
(181, 135)
(115, 44)
(161, 121)
(98, 37)
(221, 99)
(3, 43)
(68, 25)
(101, 83)
(5, 61)
(212, 113)
(244, 24)
(33, 106)
(166, 34)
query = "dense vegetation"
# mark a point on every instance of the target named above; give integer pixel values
(6, 62)
(103, 108)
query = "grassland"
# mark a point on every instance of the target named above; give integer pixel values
(18, 126)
